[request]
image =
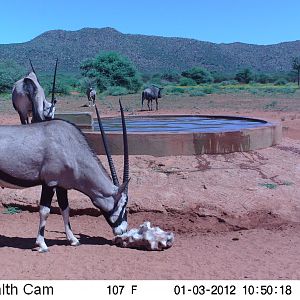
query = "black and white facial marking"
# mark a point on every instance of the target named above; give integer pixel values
(117, 218)
(49, 110)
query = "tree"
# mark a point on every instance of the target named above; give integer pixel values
(111, 69)
(10, 72)
(198, 74)
(244, 76)
(296, 66)
(171, 76)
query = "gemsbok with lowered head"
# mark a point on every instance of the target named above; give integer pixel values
(56, 153)
(29, 97)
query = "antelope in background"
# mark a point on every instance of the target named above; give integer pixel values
(29, 97)
(150, 94)
(91, 95)
(57, 155)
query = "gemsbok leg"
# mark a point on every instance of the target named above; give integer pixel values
(45, 204)
(62, 198)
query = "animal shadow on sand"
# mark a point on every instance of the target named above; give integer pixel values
(28, 243)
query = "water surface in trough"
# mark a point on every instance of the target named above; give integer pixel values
(180, 124)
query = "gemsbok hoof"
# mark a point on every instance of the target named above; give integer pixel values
(75, 243)
(40, 249)
(43, 250)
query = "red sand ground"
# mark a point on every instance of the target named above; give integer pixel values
(228, 224)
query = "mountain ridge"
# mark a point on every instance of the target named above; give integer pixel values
(149, 53)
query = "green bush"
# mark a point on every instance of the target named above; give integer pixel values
(117, 90)
(244, 76)
(208, 89)
(184, 81)
(171, 76)
(10, 72)
(200, 75)
(60, 88)
(280, 81)
(64, 83)
(263, 78)
(84, 83)
(229, 82)
(112, 69)
(174, 90)
(196, 93)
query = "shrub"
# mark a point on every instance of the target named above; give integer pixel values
(85, 83)
(244, 76)
(10, 72)
(171, 76)
(198, 74)
(112, 69)
(196, 93)
(280, 81)
(263, 78)
(60, 88)
(117, 90)
(184, 81)
(229, 82)
(208, 90)
(174, 90)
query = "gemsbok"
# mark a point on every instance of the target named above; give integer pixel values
(55, 153)
(29, 97)
(91, 95)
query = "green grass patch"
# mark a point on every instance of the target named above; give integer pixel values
(271, 186)
(5, 96)
(231, 87)
(12, 210)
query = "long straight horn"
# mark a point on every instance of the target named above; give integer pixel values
(53, 85)
(32, 68)
(107, 151)
(125, 146)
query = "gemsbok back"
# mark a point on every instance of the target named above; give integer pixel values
(56, 153)
(29, 97)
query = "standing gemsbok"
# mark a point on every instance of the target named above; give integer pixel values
(56, 153)
(29, 97)
(91, 95)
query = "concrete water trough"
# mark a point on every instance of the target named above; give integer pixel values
(167, 135)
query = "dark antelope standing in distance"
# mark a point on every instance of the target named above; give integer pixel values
(56, 154)
(29, 97)
(151, 93)
(91, 95)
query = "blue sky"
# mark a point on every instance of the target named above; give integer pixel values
(220, 21)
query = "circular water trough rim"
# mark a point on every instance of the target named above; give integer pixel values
(265, 123)
(167, 143)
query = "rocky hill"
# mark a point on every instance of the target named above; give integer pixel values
(149, 53)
